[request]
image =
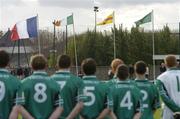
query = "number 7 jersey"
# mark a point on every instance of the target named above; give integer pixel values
(40, 95)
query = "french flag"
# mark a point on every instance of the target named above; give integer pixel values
(25, 29)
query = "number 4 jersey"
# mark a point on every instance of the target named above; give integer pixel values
(40, 95)
(8, 88)
(124, 99)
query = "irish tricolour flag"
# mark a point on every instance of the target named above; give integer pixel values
(25, 29)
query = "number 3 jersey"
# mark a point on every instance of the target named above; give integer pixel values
(150, 98)
(124, 99)
(40, 95)
(8, 89)
(95, 93)
(71, 90)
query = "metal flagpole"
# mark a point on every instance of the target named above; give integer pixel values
(154, 68)
(75, 49)
(39, 42)
(114, 35)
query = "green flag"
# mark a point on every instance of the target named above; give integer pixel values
(144, 20)
(70, 20)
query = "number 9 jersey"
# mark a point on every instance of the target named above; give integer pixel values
(39, 95)
(8, 88)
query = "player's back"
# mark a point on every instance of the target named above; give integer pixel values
(125, 97)
(150, 98)
(95, 93)
(171, 82)
(41, 94)
(70, 90)
(8, 89)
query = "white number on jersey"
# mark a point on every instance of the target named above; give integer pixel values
(88, 92)
(62, 84)
(40, 95)
(178, 83)
(2, 90)
(145, 96)
(126, 101)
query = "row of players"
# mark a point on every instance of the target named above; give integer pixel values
(64, 95)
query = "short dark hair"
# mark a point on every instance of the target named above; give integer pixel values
(64, 61)
(38, 62)
(140, 67)
(122, 72)
(4, 58)
(88, 66)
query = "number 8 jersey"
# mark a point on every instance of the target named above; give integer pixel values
(40, 95)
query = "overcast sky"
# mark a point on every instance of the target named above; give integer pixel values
(126, 12)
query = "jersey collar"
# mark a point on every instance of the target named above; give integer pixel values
(141, 80)
(126, 81)
(91, 77)
(40, 72)
(3, 70)
(63, 71)
(173, 68)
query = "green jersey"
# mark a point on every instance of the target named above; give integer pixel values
(71, 90)
(150, 98)
(95, 93)
(124, 99)
(8, 89)
(41, 95)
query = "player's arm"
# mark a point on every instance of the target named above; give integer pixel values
(25, 113)
(58, 103)
(156, 101)
(165, 97)
(80, 101)
(137, 116)
(109, 109)
(56, 114)
(77, 109)
(14, 113)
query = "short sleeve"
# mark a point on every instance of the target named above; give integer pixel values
(156, 101)
(110, 103)
(81, 96)
(20, 98)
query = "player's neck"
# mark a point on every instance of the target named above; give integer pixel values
(141, 77)
(64, 70)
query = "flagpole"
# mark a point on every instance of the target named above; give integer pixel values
(75, 49)
(154, 68)
(39, 42)
(114, 35)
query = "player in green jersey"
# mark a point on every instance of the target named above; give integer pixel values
(8, 87)
(124, 97)
(150, 95)
(94, 90)
(71, 86)
(40, 94)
